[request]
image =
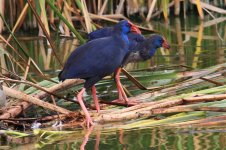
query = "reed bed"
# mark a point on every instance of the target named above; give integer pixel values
(177, 96)
(64, 16)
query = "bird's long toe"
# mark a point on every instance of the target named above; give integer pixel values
(89, 122)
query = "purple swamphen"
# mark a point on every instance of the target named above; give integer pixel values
(97, 59)
(140, 49)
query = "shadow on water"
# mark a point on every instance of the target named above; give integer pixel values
(195, 44)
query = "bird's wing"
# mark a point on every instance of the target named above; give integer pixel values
(139, 53)
(135, 40)
(100, 33)
(92, 59)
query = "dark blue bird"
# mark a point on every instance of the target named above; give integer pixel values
(97, 59)
(140, 49)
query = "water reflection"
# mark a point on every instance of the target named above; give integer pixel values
(198, 46)
(86, 138)
(146, 138)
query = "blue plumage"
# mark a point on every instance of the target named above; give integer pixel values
(103, 32)
(134, 38)
(97, 58)
(140, 48)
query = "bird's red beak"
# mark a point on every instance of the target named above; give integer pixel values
(165, 45)
(134, 28)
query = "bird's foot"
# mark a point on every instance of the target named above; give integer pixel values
(121, 99)
(88, 122)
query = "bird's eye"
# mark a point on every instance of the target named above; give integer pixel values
(128, 25)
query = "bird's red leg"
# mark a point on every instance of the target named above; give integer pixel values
(88, 118)
(120, 97)
(94, 93)
(122, 93)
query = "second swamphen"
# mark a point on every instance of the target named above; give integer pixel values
(140, 49)
(97, 59)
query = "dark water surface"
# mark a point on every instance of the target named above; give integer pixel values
(193, 43)
(158, 138)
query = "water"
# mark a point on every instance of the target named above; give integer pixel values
(195, 44)
(187, 138)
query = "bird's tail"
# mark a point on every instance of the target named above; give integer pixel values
(59, 76)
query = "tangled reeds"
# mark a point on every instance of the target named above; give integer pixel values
(60, 15)
(141, 106)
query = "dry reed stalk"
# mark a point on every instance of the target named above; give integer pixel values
(205, 98)
(176, 7)
(59, 87)
(25, 73)
(212, 22)
(86, 16)
(2, 9)
(43, 16)
(200, 11)
(24, 97)
(210, 7)
(67, 14)
(136, 107)
(118, 16)
(212, 81)
(120, 7)
(161, 10)
(110, 18)
(27, 69)
(19, 21)
(16, 110)
(94, 16)
(185, 108)
(101, 11)
(165, 6)
(133, 6)
(198, 45)
(94, 7)
(37, 87)
(152, 108)
(59, 117)
(114, 116)
(151, 9)
(44, 55)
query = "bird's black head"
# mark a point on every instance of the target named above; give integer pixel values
(126, 26)
(158, 41)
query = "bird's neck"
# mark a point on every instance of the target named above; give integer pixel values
(122, 39)
(152, 51)
(145, 55)
(125, 38)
